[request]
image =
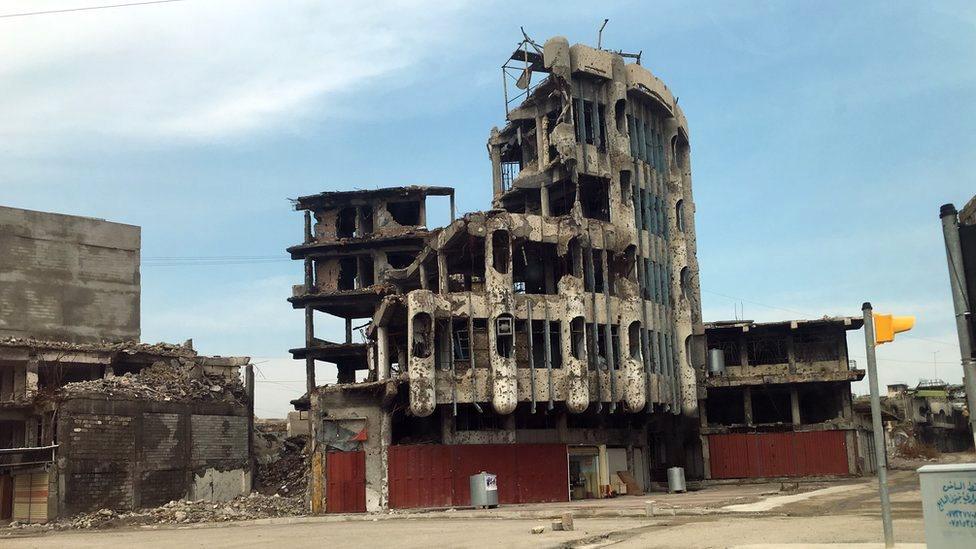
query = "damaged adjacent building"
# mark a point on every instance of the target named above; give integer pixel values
(549, 339)
(777, 400)
(89, 419)
(933, 413)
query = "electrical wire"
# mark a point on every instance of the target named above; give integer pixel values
(807, 315)
(86, 8)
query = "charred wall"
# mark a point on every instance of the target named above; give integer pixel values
(124, 454)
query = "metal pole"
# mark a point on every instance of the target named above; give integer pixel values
(879, 442)
(950, 230)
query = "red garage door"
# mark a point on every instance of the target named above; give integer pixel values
(345, 482)
(420, 476)
(434, 475)
(757, 455)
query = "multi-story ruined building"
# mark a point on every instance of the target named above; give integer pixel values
(777, 400)
(549, 339)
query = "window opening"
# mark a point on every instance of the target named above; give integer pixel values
(346, 223)
(500, 251)
(595, 197)
(405, 213)
(422, 324)
(504, 335)
(633, 339)
(577, 334)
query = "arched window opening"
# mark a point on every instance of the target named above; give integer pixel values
(500, 251)
(633, 339)
(685, 279)
(620, 115)
(679, 215)
(422, 337)
(577, 332)
(505, 335)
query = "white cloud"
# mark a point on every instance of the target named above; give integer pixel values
(202, 69)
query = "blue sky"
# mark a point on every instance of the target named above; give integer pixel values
(824, 138)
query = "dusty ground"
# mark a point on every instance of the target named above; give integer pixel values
(725, 516)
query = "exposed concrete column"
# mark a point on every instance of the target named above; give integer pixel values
(30, 431)
(542, 142)
(386, 439)
(747, 403)
(562, 427)
(382, 350)
(845, 401)
(743, 351)
(544, 200)
(791, 352)
(30, 377)
(447, 429)
(424, 283)
(703, 413)
(442, 284)
(348, 330)
(795, 405)
(494, 152)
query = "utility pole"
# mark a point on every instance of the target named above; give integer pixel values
(879, 438)
(960, 303)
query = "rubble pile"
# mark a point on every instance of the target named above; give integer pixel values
(287, 474)
(126, 347)
(175, 380)
(253, 506)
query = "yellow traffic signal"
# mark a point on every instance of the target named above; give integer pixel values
(886, 326)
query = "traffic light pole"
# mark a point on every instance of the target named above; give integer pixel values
(950, 230)
(879, 438)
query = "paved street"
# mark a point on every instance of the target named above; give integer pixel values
(845, 512)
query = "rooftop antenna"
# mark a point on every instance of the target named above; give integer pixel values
(599, 35)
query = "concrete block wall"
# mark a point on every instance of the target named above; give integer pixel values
(122, 454)
(68, 278)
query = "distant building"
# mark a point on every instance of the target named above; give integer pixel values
(777, 400)
(933, 413)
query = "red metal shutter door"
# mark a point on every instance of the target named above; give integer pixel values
(543, 473)
(345, 479)
(420, 476)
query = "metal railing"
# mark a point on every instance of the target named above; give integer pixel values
(38, 455)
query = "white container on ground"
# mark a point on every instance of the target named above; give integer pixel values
(949, 505)
(676, 479)
(484, 490)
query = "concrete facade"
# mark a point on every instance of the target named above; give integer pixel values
(68, 278)
(566, 314)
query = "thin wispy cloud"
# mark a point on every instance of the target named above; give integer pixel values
(202, 69)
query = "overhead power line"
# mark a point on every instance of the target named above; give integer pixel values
(87, 8)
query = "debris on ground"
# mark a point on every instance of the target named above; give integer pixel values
(286, 475)
(250, 507)
(178, 379)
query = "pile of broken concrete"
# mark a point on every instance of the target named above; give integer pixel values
(251, 507)
(286, 473)
(177, 379)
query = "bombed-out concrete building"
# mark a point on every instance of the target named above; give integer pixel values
(777, 401)
(552, 339)
(89, 418)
